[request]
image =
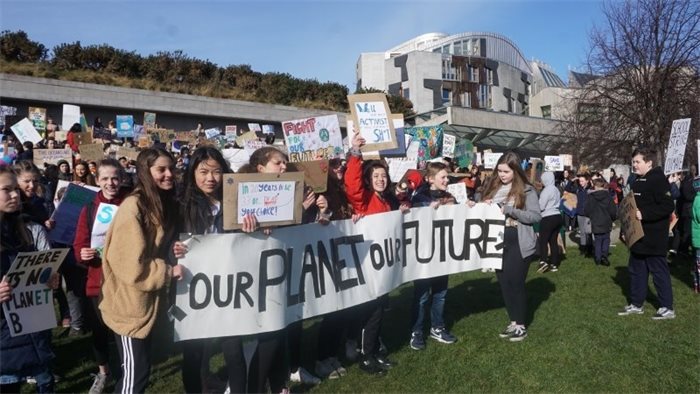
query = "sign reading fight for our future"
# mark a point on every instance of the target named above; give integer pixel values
(240, 284)
(103, 218)
(676, 146)
(313, 138)
(370, 113)
(125, 126)
(274, 199)
(31, 307)
(24, 131)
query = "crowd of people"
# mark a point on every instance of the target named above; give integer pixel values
(120, 292)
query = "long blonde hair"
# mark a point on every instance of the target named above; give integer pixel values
(517, 190)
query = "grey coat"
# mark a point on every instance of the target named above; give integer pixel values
(526, 218)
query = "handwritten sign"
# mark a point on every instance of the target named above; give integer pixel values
(241, 139)
(370, 113)
(92, 152)
(211, 133)
(630, 226)
(103, 218)
(459, 191)
(129, 153)
(254, 127)
(553, 163)
(676, 146)
(429, 141)
(448, 145)
(24, 131)
(149, 120)
(163, 135)
(464, 154)
(125, 126)
(274, 199)
(491, 158)
(83, 138)
(231, 129)
(251, 146)
(312, 138)
(30, 308)
(38, 117)
(51, 156)
(315, 174)
(398, 167)
(71, 116)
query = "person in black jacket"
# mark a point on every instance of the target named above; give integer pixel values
(652, 195)
(601, 209)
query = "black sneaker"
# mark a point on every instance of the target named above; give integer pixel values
(417, 341)
(384, 362)
(370, 365)
(442, 335)
(518, 334)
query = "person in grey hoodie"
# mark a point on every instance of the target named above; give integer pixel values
(509, 188)
(550, 225)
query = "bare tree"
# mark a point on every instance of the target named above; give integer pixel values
(646, 62)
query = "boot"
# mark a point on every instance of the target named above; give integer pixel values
(604, 261)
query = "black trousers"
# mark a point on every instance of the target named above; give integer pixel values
(330, 334)
(372, 314)
(512, 277)
(269, 363)
(135, 356)
(193, 356)
(100, 333)
(549, 230)
(294, 333)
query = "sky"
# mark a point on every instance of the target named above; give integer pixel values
(310, 39)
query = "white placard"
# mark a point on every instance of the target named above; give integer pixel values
(459, 191)
(399, 166)
(211, 133)
(31, 307)
(268, 201)
(448, 145)
(491, 158)
(304, 271)
(313, 138)
(676, 146)
(103, 218)
(24, 131)
(254, 127)
(71, 116)
(553, 163)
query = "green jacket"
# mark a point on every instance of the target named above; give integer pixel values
(696, 222)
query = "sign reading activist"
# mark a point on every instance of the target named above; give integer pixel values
(274, 199)
(370, 113)
(676, 146)
(306, 271)
(313, 138)
(31, 307)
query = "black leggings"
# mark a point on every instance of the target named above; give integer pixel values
(549, 230)
(193, 357)
(512, 276)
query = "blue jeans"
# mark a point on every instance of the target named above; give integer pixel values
(42, 374)
(422, 289)
(602, 245)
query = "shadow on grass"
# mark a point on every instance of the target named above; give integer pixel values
(681, 267)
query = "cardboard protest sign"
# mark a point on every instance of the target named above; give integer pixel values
(366, 154)
(399, 166)
(313, 138)
(448, 145)
(71, 116)
(31, 307)
(144, 141)
(231, 129)
(24, 131)
(186, 136)
(60, 135)
(491, 158)
(103, 218)
(459, 191)
(274, 199)
(102, 133)
(5, 112)
(315, 174)
(402, 141)
(676, 146)
(37, 116)
(464, 153)
(309, 270)
(129, 153)
(125, 126)
(429, 141)
(553, 163)
(163, 135)
(51, 156)
(149, 120)
(630, 227)
(92, 152)
(241, 139)
(68, 211)
(83, 138)
(370, 115)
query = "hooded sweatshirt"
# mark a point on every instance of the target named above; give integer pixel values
(550, 196)
(601, 208)
(695, 224)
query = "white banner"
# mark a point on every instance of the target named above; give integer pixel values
(31, 307)
(676, 146)
(103, 218)
(240, 284)
(24, 131)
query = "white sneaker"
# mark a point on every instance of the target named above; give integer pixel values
(326, 370)
(664, 314)
(98, 385)
(338, 366)
(631, 309)
(303, 376)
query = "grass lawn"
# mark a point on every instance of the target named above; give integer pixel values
(576, 341)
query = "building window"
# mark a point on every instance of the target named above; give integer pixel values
(474, 74)
(484, 97)
(448, 69)
(513, 107)
(467, 100)
(446, 96)
(406, 94)
(489, 76)
(475, 50)
(457, 48)
(546, 111)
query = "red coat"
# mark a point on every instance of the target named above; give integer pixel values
(82, 240)
(70, 139)
(363, 201)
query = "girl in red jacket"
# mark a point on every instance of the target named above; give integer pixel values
(367, 189)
